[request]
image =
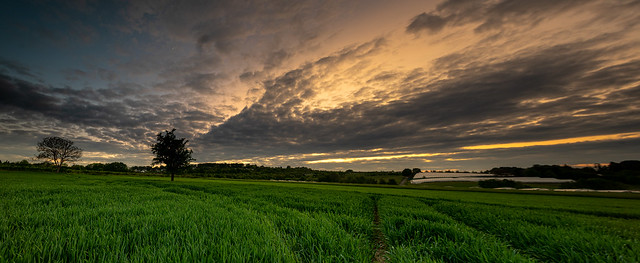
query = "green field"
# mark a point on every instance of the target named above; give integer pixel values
(71, 217)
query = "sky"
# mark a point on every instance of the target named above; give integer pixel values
(335, 85)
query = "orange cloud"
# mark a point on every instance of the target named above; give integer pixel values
(457, 159)
(376, 158)
(608, 137)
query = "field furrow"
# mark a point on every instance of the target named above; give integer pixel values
(551, 237)
(418, 233)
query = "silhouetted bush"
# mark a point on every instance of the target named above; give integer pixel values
(513, 171)
(493, 183)
(116, 167)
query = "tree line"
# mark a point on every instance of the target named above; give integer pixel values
(172, 156)
(219, 170)
(622, 175)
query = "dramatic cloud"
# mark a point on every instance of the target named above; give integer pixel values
(534, 94)
(491, 15)
(433, 23)
(365, 85)
(609, 137)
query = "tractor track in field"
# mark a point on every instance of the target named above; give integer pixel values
(379, 240)
(404, 180)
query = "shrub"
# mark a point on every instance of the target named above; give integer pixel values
(493, 183)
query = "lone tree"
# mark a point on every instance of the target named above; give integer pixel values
(58, 150)
(171, 151)
(410, 173)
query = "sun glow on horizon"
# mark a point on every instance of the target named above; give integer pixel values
(608, 137)
(376, 158)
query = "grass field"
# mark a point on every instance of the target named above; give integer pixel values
(69, 217)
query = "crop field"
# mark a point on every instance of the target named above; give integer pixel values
(88, 218)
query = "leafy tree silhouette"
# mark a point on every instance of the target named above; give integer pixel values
(171, 152)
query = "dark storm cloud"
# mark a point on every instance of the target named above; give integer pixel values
(24, 95)
(614, 76)
(491, 15)
(499, 92)
(120, 114)
(484, 103)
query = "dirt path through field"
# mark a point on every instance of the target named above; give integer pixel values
(378, 236)
(404, 180)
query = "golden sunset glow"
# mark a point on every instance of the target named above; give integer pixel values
(376, 158)
(457, 159)
(101, 155)
(377, 85)
(619, 136)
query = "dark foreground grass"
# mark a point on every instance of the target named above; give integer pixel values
(60, 217)
(50, 217)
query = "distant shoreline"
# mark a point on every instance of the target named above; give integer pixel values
(476, 177)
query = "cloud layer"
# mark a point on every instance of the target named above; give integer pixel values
(331, 85)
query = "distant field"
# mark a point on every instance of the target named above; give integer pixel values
(70, 217)
(475, 177)
(467, 185)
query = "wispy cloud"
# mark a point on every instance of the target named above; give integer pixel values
(378, 158)
(595, 138)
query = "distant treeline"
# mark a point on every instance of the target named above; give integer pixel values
(223, 170)
(252, 171)
(623, 175)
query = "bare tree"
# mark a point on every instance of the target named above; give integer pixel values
(58, 150)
